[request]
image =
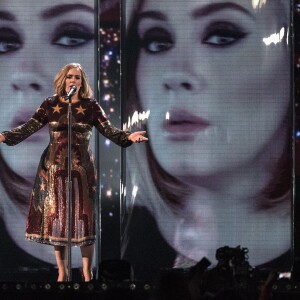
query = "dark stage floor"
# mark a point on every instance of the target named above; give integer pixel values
(169, 285)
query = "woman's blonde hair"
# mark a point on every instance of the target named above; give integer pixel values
(60, 81)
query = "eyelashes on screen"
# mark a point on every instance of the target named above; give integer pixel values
(222, 34)
(72, 35)
(9, 40)
(156, 40)
(217, 34)
(67, 35)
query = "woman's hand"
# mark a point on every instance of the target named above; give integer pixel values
(137, 137)
(2, 138)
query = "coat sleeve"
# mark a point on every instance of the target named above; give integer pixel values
(104, 126)
(22, 132)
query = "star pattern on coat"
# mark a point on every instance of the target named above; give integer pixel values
(80, 110)
(42, 186)
(56, 108)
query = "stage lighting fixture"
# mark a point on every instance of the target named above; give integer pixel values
(76, 286)
(61, 286)
(232, 273)
(47, 286)
(33, 286)
(132, 286)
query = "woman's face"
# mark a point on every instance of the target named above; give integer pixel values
(217, 92)
(37, 39)
(73, 78)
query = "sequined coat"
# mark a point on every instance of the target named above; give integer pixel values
(47, 220)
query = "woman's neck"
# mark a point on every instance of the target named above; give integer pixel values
(74, 100)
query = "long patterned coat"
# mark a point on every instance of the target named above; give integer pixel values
(47, 220)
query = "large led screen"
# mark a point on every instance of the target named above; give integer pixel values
(210, 83)
(37, 38)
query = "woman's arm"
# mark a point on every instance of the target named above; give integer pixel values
(20, 133)
(118, 136)
(137, 137)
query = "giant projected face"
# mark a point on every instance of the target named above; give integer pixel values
(37, 38)
(214, 76)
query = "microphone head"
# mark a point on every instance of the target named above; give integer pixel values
(71, 92)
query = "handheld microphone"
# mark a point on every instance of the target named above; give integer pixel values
(71, 92)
